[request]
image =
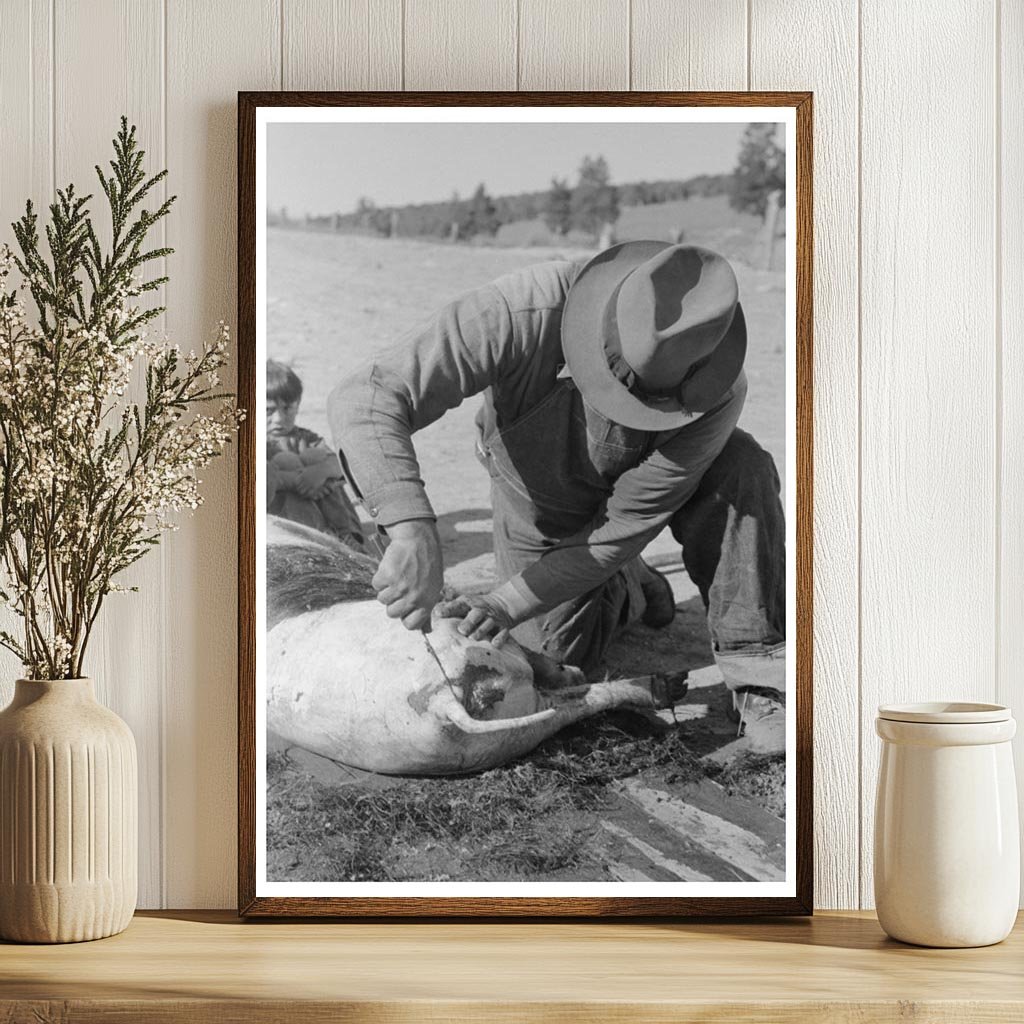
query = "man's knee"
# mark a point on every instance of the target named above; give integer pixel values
(742, 480)
(742, 462)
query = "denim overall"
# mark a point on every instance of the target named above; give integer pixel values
(551, 471)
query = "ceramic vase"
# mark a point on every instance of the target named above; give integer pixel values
(947, 846)
(68, 815)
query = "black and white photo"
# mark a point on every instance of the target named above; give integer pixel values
(525, 517)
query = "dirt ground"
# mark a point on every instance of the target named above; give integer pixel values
(333, 300)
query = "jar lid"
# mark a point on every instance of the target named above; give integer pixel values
(945, 713)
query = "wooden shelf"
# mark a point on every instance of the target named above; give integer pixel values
(210, 967)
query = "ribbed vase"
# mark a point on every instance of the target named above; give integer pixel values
(68, 815)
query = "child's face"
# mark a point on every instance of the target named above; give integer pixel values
(281, 415)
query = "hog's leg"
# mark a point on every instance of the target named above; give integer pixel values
(510, 738)
(566, 681)
(654, 691)
(574, 703)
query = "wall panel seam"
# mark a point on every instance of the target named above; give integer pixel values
(997, 234)
(162, 697)
(749, 42)
(53, 98)
(859, 478)
(629, 45)
(31, 92)
(519, 39)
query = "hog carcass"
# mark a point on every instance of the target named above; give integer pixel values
(345, 681)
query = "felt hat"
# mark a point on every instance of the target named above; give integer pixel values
(653, 333)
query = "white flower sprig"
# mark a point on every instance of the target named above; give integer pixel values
(90, 477)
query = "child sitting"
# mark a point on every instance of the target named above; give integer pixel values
(304, 476)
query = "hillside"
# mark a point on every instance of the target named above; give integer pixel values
(709, 221)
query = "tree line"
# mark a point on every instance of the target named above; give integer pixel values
(588, 205)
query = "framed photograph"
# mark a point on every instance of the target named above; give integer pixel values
(525, 504)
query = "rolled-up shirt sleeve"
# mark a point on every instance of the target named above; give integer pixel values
(374, 412)
(642, 502)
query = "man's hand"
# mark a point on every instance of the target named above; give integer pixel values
(410, 575)
(483, 617)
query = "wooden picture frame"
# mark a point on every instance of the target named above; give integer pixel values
(253, 903)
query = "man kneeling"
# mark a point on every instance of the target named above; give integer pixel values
(612, 390)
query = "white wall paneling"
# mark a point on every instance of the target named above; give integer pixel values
(573, 44)
(342, 44)
(919, 305)
(831, 72)
(1009, 369)
(460, 44)
(26, 106)
(213, 50)
(928, 516)
(26, 157)
(699, 44)
(129, 80)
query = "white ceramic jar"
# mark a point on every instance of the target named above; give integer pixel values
(947, 846)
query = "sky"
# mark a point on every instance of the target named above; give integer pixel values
(324, 168)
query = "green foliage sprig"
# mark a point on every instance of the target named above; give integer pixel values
(89, 477)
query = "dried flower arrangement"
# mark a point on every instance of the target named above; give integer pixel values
(90, 477)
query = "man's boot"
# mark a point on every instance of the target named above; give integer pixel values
(762, 720)
(757, 680)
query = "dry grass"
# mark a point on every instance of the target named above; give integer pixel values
(760, 778)
(529, 820)
(484, 827)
